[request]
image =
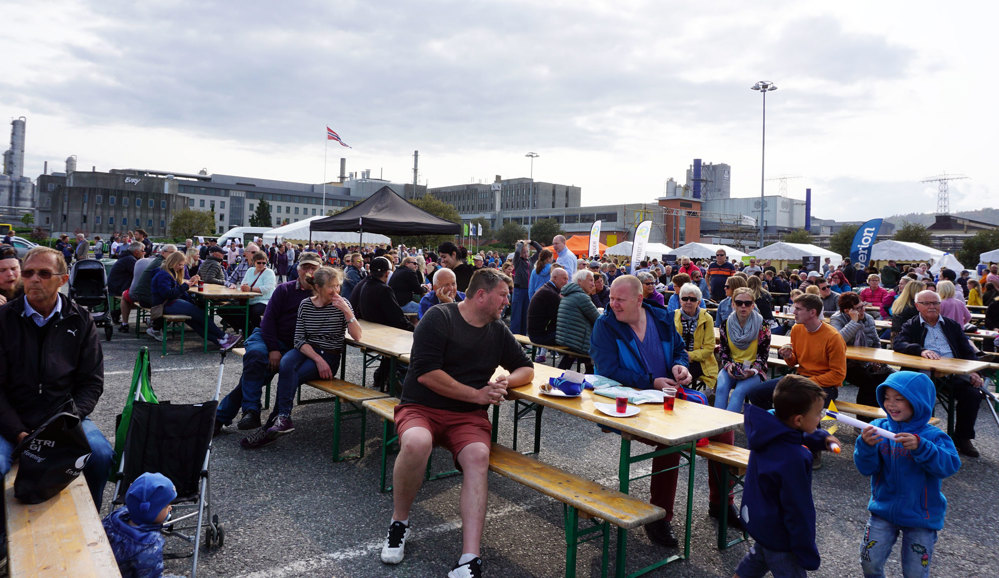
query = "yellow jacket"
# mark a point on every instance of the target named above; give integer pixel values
(704, 345)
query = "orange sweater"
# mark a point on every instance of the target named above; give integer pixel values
(820, 356)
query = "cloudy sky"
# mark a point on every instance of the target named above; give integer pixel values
(616, 96)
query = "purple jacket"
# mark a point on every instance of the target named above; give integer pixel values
(277, 326)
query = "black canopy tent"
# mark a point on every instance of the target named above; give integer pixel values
(386, 213)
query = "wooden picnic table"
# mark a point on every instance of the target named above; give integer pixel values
(379, 341)
(218, 297)
(679, 430)
(905, 360)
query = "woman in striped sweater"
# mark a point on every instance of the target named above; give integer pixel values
(319, 336)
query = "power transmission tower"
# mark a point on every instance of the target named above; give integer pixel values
(782, 180)
(943, 190)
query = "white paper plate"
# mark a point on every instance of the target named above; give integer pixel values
(555, 392)
(611, 409)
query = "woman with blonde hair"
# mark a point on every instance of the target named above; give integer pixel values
(745, 346)
(904, 307)
(169, 289)
(764, 302)
(950, 306)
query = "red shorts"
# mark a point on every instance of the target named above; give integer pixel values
(126, 297)
(452, 430)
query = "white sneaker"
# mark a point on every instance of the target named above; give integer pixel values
(470, 569)
(157, 335)
(395, 543)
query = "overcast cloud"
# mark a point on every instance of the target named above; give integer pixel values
(616, 97)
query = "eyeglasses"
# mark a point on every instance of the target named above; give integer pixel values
(719, 254)
(648, 282)
(923, 303)
(823, 288)
(689, 299)
(743, 303)
(43, 274)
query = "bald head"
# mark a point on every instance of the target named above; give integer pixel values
(444, 276)
(629, 283)
(560, 277)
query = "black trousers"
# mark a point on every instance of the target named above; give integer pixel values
(968, 399)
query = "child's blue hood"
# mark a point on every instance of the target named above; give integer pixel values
(918, 389)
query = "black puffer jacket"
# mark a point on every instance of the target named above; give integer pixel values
(42, 369)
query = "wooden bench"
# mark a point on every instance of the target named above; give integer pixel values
(578, 495)
(60, 537)
(343, 391)
(732, 457)
(170, 324)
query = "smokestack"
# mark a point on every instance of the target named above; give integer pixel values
(416, 168)
(808, 210)
(343, 169)
(697, 178)
(45, 168)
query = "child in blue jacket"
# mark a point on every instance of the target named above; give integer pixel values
(777, 506)
(906, 475)
(134, 531)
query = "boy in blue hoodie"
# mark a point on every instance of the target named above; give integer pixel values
(777, 507)
(134, 531)
(906, 475)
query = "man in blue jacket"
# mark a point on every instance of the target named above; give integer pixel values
(638, 345)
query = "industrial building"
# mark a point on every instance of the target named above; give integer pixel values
(17, 192)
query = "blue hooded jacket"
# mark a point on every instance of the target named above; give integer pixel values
(777, 505)
(137, 549)
(905, 485)
(615, 353)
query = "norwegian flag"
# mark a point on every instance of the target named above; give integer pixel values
(332, 135)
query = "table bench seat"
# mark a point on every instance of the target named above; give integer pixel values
(577, 494)
(60, 537)
(869, 411)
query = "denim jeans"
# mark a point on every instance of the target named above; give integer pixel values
(197, 314)
(731, 393)
(518, 310)
(297, 368)
(411, 307)
(95, 472)
(256, 373)
(880, 537)
(759, 560)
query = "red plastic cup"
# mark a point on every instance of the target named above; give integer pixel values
(622, 404)
(669, 398)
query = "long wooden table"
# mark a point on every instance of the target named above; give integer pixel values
(216, 296)
(891, 357)
(790, 317)
(679, 430)
(382, 341)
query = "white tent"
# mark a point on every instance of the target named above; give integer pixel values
(706, 251)
(904, 251)
(652, 250)
(656, 250)
(949, 261)
(795, 252)
(300, 232)
(620, 250)
(989, 257)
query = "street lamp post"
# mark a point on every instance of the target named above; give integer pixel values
(530, 200)
(764, 86)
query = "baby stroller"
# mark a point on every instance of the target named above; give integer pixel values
(174, 440)
(88, 286)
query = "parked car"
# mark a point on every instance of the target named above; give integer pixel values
(22, 246)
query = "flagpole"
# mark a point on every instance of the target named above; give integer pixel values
(326, 147)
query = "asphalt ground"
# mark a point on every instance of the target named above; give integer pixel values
(289, 510)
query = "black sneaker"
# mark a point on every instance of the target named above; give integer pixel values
(966, 448)
(733, 516)
(470, 569)
(258, 439)
(123, 328)
(217, 428)
(250, 420)
(395, 543)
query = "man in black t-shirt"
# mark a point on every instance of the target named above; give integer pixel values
(456, 350)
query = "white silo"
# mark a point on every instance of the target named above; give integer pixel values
(70, 165)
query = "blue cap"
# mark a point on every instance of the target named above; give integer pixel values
(147, 496)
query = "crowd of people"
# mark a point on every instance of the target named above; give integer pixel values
(652, 329)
